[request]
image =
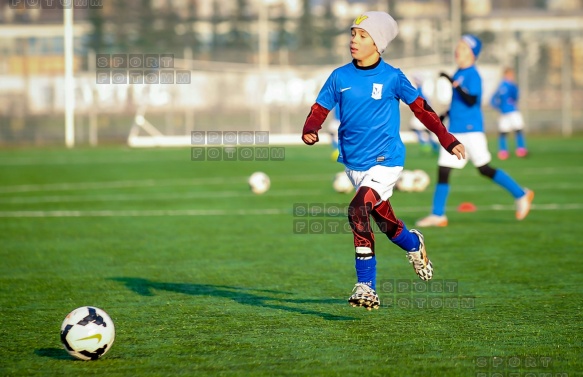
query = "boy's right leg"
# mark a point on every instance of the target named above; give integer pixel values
(359, 211)
(363, 295)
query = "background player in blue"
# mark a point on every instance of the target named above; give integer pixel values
(367, 92)
(505, 100)
(466, 124)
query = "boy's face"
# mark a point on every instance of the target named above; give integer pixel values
(464, 57)
(362, 47)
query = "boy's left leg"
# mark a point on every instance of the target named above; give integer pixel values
(411, 241)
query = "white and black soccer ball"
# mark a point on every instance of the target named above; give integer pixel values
(342, 184)
(87, 333)
(421, 180)
(406, 181)
(259, 182)
(413, 181)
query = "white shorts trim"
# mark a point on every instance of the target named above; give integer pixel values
(510, 122)
(476, 147)
(380, 178)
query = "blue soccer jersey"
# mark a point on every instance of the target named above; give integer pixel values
(368, 108)
(506, 97)
(463, 117)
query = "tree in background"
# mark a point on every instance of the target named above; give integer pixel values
(306, 27)
(96, 40)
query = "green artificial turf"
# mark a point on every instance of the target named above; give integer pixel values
(201, 277)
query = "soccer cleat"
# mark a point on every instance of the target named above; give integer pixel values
(521, 152)
(503, 155)
(421, 264)
(432, 220)
(363, 295)
(523, 204)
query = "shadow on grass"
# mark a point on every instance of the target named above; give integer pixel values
(246, 296)
(54, 353)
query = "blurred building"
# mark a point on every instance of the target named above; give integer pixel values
(300, 31)
(222, 42)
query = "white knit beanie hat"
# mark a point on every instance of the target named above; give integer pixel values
(381, 27)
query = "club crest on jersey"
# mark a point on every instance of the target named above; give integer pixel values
(377, 91)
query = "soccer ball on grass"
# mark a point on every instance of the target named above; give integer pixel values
(259, 182)
(413, 181)
(422, 180)
(87, 333)
(342, 184)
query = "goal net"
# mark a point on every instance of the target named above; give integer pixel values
(225, 97)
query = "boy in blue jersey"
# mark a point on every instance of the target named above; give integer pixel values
(505, 100)
(466, 124)
(367, 92)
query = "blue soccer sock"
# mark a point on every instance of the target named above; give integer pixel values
(520, 141)
(366, 271)
(502, 143)
(504, 180)
(406, 240)
(440, 198)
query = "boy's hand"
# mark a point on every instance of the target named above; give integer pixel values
(459, 151)
(310, 138)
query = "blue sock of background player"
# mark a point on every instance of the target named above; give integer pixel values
(497, 175)
(520, 140)
(502, 142)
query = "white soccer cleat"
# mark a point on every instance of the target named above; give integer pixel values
(523, 204)
(421, 264)
(363, 295)
(432, 220)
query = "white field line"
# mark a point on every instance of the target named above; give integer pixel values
(78, 186)
(261, 212)
(147, 197)
(76, 160)
(72, 186)
(143, 213)
(216, 194)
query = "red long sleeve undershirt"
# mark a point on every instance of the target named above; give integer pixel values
(314, 120)
(431, 121)
(420, 108)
